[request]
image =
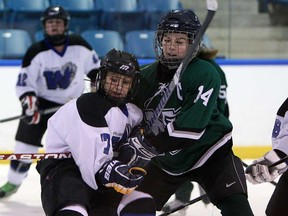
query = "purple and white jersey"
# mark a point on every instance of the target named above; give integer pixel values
(280, 130)
(89, 127)
(57, 76)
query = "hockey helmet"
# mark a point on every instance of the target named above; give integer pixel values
(175, 21)
(56, 12)
(120, 63)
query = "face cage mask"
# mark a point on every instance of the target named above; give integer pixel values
(117, 101)
(171, 63)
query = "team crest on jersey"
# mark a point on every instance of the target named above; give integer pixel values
(60, 78)
(167, 116)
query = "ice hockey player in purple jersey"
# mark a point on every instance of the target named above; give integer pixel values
(90, 128)
(52, 73)
(258, 172)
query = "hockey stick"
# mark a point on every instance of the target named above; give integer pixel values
(212, 6)
(42, 112)
(177, 208)
(38, 156)
(282, 160)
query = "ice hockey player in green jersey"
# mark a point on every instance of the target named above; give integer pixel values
(195, 137)
(208, 53)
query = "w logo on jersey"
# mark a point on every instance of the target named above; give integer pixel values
(60, 78)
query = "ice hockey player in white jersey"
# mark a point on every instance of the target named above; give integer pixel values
(52, 73)
(90, 128)
(260, 172)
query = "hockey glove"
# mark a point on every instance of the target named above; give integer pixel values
(30, 109)
(137, 151)
(119, 176)
(258, 172)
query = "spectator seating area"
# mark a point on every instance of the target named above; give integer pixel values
(140, 43)
(14, 43)
(123, 24)
(277, 10)
(103, 40)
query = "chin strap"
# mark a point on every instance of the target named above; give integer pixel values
(56, 40)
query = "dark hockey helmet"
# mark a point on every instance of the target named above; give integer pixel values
(175, 21)
(122, 63)
(56, 12)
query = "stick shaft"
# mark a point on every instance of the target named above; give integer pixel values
(42, 112)
(177, 208)
(279, 162)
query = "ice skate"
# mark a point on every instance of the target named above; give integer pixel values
(8, 189)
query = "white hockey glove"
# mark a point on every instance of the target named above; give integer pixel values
(137, 151)
(258, 172)
(30, 109)
(119, 176)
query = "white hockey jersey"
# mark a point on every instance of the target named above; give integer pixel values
(88, 127)
(54, 76)
(280, 130)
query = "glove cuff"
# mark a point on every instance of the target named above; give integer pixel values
(280, 153)
(27, 94)
(273, 157)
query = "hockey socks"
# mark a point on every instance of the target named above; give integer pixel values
(137, 204)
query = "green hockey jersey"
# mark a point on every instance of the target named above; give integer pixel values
(190, 128)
